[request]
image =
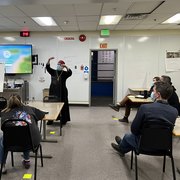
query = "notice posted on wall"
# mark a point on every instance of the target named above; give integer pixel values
(1, 77)
(172, 61)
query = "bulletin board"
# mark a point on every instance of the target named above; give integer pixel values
(1, 77)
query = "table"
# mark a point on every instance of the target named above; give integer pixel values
(53, 109)
(176, 132)
(133, 99)
(138, 90)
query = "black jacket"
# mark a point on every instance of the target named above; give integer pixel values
(159, 110)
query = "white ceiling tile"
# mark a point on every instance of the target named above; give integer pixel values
(11, 11)
(115, 8)
(88, 18)
(7, 22)
(143, 7)
(61, 10)
(24, 21)
(87, 9)
(70, 20)
(84, 15)
(34, 10)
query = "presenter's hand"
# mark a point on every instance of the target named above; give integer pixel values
(51, 58)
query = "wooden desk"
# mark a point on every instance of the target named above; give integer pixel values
(138, 90)
(133, 99)
(176, 132)
(53, 109)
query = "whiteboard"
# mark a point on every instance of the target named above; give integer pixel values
(1, 77)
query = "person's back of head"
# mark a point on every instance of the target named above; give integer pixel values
(156, 78)
(164, 89)
(13, 102)
(166, 79)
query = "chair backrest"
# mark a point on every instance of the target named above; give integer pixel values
(3, 103)
(156, 138)
(51, 99)
(17, 138)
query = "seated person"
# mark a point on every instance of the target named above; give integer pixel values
(174, 99)
(160, 109)
(128, 104)
(16, 109)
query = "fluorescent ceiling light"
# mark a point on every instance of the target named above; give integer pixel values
(45, 21)
(110, 20)
(174, 19)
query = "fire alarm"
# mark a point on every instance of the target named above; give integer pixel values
(82, 37)
(24, 33)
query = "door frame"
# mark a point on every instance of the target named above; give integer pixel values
(115, 73)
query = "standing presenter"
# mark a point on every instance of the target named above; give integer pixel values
(58, 87)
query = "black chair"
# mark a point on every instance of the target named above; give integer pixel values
(155, 140)
(3, 103)
(51, 99)
(19, 139)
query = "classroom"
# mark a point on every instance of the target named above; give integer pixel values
(107, 63)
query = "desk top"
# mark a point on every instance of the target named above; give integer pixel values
(53, 108)
(138, 89)
(176, 130)
(139, 100)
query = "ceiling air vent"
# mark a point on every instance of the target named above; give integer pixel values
(135, 16)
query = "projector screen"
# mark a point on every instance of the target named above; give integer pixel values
(17, 58)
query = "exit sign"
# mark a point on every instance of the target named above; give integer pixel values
(24, 33)
(103, 45)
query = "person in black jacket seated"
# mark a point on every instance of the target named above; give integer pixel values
(58, 88)
(173, 99)
(17, 110)
(160, 109)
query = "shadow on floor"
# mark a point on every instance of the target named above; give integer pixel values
(101, 100)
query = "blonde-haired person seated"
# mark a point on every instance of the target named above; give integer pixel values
(16, 109)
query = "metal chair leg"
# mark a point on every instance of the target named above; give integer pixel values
(164, 163)
(131, 159)
(136, 168)
(173, 168)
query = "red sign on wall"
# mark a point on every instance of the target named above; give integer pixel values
(69, 38)
(103, 45)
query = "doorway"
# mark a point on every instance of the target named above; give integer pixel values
(102, 77)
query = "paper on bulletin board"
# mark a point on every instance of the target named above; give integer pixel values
(172, 60)
(1, 77)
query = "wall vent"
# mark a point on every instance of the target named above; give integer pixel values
(135, 16)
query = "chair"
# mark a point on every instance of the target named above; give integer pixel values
(19, 139)
(3, 103)
(155, 140)
(51, 99)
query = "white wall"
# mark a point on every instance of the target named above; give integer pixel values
(137, 62)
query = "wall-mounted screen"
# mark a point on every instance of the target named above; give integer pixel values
(17, 58)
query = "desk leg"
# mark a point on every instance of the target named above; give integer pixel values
(60, 132)
(44, 135)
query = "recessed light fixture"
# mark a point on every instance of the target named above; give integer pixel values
(45, 21)
(174, 19)
(110, 20)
